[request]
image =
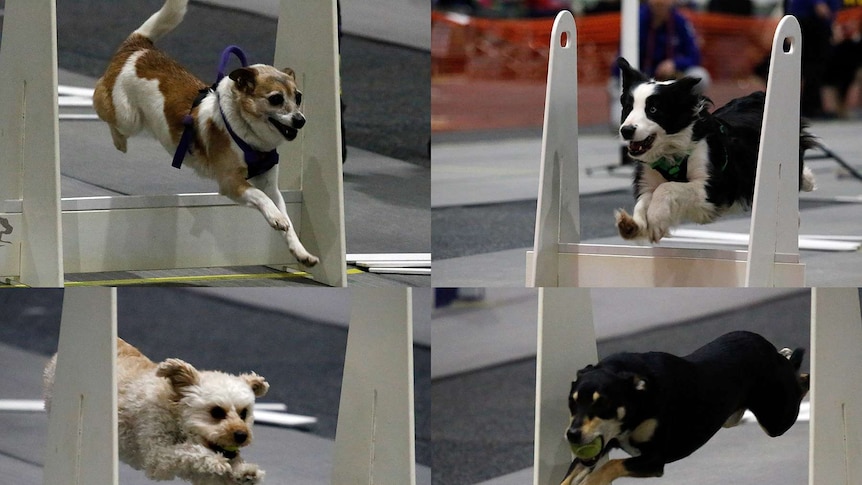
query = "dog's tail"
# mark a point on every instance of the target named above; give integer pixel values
(163, 21)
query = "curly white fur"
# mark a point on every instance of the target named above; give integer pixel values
(178, 422)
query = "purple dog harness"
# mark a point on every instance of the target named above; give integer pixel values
(258, 162)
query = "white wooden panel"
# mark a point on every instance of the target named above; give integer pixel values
(566, 343)
(622, 270)
(82, 430)
(558, 209)
(171, 237)
(775, 211)
(29, 136)
(836, 397)
(375, 439)
(307, 42)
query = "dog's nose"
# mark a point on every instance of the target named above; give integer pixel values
(298, 120)
(628, 131)
(240, 437)
(573, 435)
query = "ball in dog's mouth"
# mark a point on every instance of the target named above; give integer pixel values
(286, 131)
(228, 452)
(640, 147)
(589, 450)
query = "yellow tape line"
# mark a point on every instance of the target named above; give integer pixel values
(183, 279)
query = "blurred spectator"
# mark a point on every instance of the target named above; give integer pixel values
(843, 73)
(461, 6)
(815, 19)
(587, 7)
(546, 8)
(668, 50)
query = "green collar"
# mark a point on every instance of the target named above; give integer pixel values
(672, 169)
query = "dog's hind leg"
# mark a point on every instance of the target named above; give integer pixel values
(267, 184)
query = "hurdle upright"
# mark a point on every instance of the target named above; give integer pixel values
(53, 235)
(375, 441)
(559, 258)
(82, 427)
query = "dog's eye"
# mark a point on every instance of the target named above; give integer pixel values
(218, 413)
(298, 98)
(243, 414)
(653, 110)
(276, 100)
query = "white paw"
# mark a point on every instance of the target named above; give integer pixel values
(247, 474)
(306, 259)
(277, 221)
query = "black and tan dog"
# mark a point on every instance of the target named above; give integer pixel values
(660, 408)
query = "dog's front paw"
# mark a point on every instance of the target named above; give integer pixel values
(247, 474)
(627, 226)
(307, 259)
(657, 232)
(220, 465)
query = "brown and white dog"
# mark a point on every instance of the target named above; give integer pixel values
(144, 89)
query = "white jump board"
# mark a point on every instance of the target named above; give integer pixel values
(605, 265)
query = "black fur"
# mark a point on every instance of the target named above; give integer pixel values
(732, 133)
(690, 397)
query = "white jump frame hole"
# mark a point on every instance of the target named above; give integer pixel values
(565, 39)
(789, 45)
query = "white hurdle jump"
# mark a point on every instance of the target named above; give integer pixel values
(567, 342)
(52, 236)
(559, 259)
(375, 439)
(835, 440)
(82, 427)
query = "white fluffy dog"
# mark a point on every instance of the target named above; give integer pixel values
(178, 422)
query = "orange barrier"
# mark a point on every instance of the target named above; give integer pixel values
(518, 49)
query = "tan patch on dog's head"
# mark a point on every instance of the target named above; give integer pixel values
(181, 374)
(266, 90)
(258, 384)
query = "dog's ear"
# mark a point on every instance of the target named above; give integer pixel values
(180, 373)
(804, 382)
(584, 371)
(686, 83)
(290, 73)
(244, 78)
(258, 384)
(630, 76)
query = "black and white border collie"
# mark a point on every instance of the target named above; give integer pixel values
(694, 165)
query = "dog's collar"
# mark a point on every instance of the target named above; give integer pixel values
(673, 169)
(258, 162)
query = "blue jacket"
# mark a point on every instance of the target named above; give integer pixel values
(805, 8)
(683, 47)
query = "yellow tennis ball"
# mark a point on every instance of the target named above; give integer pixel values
(231, 448)
(589, 450)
